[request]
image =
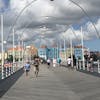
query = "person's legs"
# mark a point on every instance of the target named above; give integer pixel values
(26, 72)
(48, 65)
(36, 70)
(69, 67)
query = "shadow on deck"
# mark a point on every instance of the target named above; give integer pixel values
(6, 83)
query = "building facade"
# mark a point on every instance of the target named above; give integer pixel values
(48, 52)
(42, 52)
(78, 52)
(30, 52)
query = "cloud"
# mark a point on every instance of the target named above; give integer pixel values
(1, 4)
(56, 16)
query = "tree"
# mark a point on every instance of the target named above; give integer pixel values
(10, 58)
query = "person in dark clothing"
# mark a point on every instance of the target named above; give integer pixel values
(36, 66)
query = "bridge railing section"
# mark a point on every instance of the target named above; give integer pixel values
(93, 66)
(10, 68)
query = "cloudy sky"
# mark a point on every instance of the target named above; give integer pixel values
(49, 22)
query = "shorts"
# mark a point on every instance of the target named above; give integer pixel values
(27, 70)
(36, 68)
(48, 64)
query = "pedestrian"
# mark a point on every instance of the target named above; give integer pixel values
(59, 61)
(48, 62)
(36, 66)
(54, 62)
(27, 68)
(69, 61)
(41, 60)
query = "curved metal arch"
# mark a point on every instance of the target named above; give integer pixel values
(98, 35)
(13, 25)
(84, 11)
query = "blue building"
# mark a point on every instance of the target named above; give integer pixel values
(78, 52)
(53, 53)
(50, 53)
(42, 52)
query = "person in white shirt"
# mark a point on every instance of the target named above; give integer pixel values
(69, 61)
(54, 62)
(48, 62)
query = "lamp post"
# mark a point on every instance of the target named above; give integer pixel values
(19, 50)
(71, 47)
(57, 50)
(82, 49)
(22, 53)
(64, 49)
(13, 51)
(2, 46)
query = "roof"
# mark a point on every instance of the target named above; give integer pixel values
(16, 48)
(43, 46)
(79, 46)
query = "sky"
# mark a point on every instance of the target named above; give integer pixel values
(48, 22)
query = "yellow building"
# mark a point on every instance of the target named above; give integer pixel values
(28, 51)
(5, 55)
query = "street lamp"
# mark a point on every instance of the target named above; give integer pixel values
(2, 46)
(65, 49)
(13, 51)
(71, 48)
(82, 49)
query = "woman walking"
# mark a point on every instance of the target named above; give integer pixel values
(36, 66)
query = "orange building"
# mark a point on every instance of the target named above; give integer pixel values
(30, 52)
(17, 51)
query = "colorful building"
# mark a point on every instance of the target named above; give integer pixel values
(48, 52)
(28, 51)
(78, 51)
(17, 52)
(42, 52)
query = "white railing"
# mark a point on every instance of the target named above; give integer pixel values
(11, 68)
(93, 66)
